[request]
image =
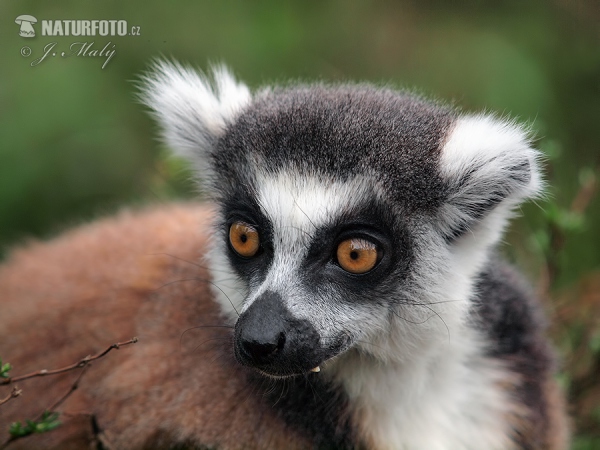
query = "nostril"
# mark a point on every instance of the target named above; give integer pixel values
(281, 341)
(263, 351)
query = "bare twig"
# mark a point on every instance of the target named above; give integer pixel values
(72, 389)
(14, 393)
(51, 409)
(82, 363)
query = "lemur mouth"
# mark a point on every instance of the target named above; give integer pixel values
(288, 370)
(288, 375)
(300, 362)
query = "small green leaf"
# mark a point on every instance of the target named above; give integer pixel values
(49, 421)
(18, 430)
(4, 369)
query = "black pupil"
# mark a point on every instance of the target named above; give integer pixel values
(354, 254)
(243, 238)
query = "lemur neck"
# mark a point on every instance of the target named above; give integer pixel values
(449, 398)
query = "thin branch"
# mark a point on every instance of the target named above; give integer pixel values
(51, 409)
(72, 389)
(13, 394)
(82, 363)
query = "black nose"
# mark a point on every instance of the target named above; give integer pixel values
(262, 349)
(268, 337)
(261, 330)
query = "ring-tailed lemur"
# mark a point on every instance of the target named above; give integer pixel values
(353, 255)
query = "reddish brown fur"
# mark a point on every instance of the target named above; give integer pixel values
(101, 284)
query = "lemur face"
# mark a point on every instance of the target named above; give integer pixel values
(317, 217)
(348, 216)
(321, 264)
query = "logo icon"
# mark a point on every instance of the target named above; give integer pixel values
(26, 23)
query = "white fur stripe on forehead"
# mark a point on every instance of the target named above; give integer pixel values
(487, 163)
(296, 206)
(299, 204)
(192, 109)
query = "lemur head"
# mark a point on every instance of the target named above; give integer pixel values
(350, 217)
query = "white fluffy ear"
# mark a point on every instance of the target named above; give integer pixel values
(490, 168)
(192, 109)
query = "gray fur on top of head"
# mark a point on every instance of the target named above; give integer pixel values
(337, 132)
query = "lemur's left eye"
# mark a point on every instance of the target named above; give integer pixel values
(357, 255)
(244, 239)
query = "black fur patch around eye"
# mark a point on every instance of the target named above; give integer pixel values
(369, 220)
(239, 205)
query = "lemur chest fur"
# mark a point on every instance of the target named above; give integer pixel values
(452, 399)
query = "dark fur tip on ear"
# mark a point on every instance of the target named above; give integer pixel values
(486, 163)
(192, 109)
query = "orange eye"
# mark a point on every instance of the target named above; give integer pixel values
(244, 239)
(357, 255)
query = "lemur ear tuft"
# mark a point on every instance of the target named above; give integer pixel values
(192, 109)
(489, 167)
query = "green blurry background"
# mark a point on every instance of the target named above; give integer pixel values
(74, 144)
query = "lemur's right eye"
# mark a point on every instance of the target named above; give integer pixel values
(357, 255)
(244, 239)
